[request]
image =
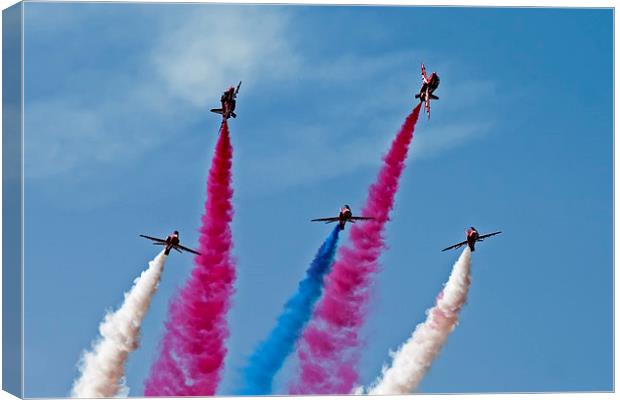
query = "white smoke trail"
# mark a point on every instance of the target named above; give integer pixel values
(414, 358)
(102, 369)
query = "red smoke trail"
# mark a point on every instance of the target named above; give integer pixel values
(192, 350)
(330, 347)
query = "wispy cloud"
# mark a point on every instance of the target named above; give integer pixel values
(192, 61)
(355, 123)
(317, 156)
(70, 134)
(197, 58)
(449, 136)
(353, 101)
(62, 134)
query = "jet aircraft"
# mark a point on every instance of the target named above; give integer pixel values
(343, 217)
(171, 242)
(429, 84)
(472, 237)
(229, 101)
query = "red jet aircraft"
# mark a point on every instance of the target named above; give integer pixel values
(343, 217)
(472, 237)
(429, 84)
(229, 101)
(171, 242)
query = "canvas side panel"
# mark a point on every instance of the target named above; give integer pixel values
(12, 200)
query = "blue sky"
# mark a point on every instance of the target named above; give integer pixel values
(118, 139)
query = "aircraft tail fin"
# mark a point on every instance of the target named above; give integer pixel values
(432, 96)
(417, 95)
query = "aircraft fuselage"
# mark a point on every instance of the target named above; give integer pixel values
(171, 241)
(472, 238)
(228, 103)
(343, 217)
(430, 86)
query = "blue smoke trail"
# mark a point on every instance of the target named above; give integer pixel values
(270, 354)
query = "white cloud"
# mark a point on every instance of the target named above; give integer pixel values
(57, 135)
(197, 55)
(194, 59)
(313, 156)
(211, 50)
(316, 154)
(355, 126)
(437, 140)
(63, 135)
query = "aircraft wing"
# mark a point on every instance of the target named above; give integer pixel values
(455, 246)
(360, 218)
(480, 238)
(187, 249)
(154, 239)
(238, 86)
(326, 220)
(217, 110)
